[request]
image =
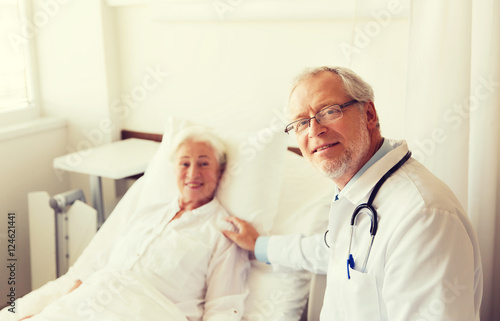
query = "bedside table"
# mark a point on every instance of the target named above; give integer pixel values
(116, 160)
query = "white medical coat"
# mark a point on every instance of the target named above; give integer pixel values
(424, 264)
(188, 260)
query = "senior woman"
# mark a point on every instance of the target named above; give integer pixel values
(175, 248)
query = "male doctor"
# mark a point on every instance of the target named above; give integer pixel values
(423, 262)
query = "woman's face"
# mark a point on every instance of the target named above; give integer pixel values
(197, 172)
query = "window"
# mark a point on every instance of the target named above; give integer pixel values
(16, 72)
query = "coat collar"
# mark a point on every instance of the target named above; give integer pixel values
(356, 193)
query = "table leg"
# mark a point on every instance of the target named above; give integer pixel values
(97, 203)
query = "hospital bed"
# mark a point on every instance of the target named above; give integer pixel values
(302, 197)
(269, 184)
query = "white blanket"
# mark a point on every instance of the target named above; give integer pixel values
(110, 296)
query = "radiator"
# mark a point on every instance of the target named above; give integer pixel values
(59, 228)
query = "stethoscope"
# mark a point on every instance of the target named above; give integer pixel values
(367, 208)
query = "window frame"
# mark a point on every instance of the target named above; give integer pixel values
(33, 110)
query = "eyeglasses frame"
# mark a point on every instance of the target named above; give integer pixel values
(354, 101)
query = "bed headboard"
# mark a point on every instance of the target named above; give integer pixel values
(125, 134)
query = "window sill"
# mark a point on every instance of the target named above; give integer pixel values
(31, 127)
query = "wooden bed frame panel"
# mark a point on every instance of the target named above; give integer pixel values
(141, 135)
(125, 134)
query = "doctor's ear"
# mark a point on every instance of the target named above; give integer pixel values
(371, 115)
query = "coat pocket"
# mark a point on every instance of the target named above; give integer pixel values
(360, 296)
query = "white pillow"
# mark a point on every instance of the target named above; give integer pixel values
(275, 295)
(250, 186)
(305, 198)
(304, 206)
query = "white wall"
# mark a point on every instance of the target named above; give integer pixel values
(26, 166)
(78, 78)
(235, 74)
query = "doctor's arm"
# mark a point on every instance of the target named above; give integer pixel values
(284, 252)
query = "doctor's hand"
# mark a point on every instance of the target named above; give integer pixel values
(246, 234)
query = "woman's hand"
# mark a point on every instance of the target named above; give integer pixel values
(245, 237)
(77, 284)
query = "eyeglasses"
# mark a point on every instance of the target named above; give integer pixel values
(325, 116)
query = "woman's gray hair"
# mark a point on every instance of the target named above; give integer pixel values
(354, 86)
(201, 134)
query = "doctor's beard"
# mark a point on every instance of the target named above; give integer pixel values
(352, 157)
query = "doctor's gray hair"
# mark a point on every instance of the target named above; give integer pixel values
(354, 85)
(200, 134)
